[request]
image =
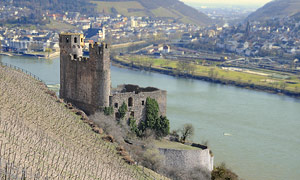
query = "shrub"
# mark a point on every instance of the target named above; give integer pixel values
(222, 173)
(160, 125)
(152, 159)
(152, 110)
(108, 110)
(133, 126)
(174, 136)
(110, 126)
(122, 110)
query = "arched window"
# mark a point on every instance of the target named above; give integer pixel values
(130, 102)
(75, 39)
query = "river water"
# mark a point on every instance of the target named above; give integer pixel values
(255, 133)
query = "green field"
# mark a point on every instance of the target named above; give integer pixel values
(173, 145)
(271, 79)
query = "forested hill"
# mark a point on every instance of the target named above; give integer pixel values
(276, 9)
(83, 6)
(165, 9)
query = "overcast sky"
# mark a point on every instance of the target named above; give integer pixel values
(230, 2)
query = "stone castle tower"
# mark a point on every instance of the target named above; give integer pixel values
(85, 82)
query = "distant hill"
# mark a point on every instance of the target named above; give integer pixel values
(276, 9)
(165, 9)
(169, 9)
(38, 6)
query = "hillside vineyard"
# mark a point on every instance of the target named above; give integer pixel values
(41, 139)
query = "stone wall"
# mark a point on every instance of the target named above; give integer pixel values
(136, 101)
(187, 159)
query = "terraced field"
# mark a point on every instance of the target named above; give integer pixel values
(163, 12)
(42, 139)
(128, 8)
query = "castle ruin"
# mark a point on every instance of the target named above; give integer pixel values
(86, 83)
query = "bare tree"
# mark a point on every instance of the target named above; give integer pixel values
(187, 132)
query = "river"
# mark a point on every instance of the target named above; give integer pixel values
(255, 133)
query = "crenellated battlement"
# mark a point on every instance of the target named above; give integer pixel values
(98, 48)
(72, 44)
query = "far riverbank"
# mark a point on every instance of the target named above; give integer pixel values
(171, 72)
(43, 55)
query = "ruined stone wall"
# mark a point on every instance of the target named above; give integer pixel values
(138, 108)
(85, 82)
(187, 159)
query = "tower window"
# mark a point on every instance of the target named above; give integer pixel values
(67, 40)
(143, 103)
(116, 105)
(81, 39)
(130, 102)
(75, 40)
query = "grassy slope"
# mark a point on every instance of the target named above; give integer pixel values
(42, 136)
(173, 145)
(219, 73)
(278, 8)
